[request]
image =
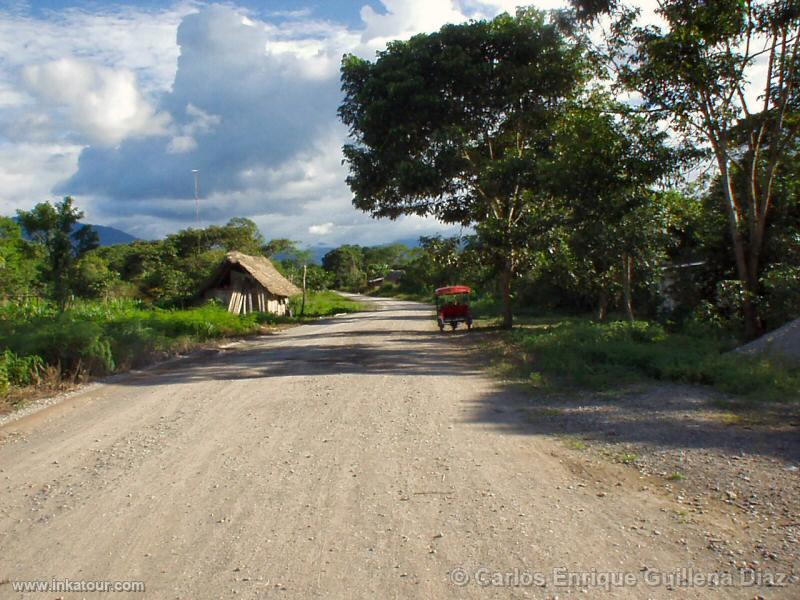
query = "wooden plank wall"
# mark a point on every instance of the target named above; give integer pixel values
(245, 299)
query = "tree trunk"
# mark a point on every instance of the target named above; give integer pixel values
(508, 310)
(627, 276)
(602, 304)
(303, 305)
(747, 275)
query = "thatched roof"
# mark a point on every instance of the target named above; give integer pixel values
(260, 268)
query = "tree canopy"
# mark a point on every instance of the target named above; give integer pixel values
(458, 124)
(698, 72)
(54, 226)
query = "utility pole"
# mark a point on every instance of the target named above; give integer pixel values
(303, 305)
(196, 173)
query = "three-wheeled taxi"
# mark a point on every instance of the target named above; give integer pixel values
(452, 306)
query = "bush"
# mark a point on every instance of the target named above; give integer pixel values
(133, 342)
(68, 340)
(97, 337)
(203, 323)
(19, 370)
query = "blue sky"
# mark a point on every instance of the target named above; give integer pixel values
(344, 11)
(116, 103)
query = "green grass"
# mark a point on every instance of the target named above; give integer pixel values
(18, 371)
(393, 290)
(97, 338)
(604, 356)
(325, 304)
(575, 443)
(626, 458)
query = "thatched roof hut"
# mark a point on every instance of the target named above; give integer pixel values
(249, 284)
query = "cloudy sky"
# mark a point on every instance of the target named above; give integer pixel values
(116, 103)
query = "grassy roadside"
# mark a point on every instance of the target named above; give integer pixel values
(42, 350)
(482, 306)
(554, 354)
(392, 290)
(323, 304)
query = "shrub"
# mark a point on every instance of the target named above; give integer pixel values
(74, 343)
(782, 285)
(19, 370)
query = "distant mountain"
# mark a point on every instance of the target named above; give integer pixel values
(111, 235)
(317, 252)
(410, 242)
(108, 235)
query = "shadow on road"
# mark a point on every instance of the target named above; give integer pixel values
(660, 416)
(403, 341)
(405, 353)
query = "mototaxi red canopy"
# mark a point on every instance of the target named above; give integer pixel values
(452, 290)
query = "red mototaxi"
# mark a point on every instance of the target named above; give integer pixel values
(452, 306)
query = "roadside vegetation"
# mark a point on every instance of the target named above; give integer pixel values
(70, 309)
(556, 354)
(90, 338)
(582, 206)
(44, 346)
(570, 203)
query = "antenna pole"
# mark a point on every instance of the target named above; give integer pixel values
(196, 174)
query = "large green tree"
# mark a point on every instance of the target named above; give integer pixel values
(346, 266)
(19, 260)
(435, 263)
(457, 124)
(380, 260)
(168, 271)
(607, 161)
(55, 227)
(701, 71)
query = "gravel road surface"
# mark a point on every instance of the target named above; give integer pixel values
(368, 456)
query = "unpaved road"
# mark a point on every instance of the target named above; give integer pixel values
(347, 459)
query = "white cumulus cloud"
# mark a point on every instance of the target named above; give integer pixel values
(404, 18)
(321, 229)
(118, 105)
(101, 104)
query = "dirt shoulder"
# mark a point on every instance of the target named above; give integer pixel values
(708, 452)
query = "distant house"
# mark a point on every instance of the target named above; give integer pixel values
(395, 275)
(248, 284)
(678, 281)
(392, 276)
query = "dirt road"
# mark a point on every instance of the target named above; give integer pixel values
(363, 457)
